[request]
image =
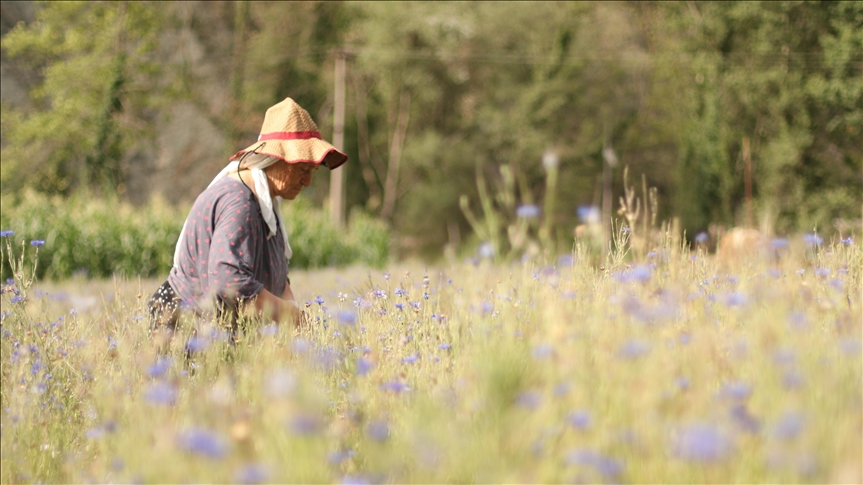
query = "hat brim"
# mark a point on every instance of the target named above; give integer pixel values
(312, 150)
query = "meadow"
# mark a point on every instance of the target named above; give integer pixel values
(667, 367)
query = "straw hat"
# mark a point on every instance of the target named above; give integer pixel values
(290, 134)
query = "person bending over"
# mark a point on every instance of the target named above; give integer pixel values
(233, 251)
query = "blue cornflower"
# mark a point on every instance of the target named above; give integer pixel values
(633, 349)
(305, 425)
(542, 351)
(364, 365)
(589, 214)
(411, 359)
(789, 426)
(415, 304)
(400, 291)
(444, 346)
(319, 300)
(6, 233)
(400, 306)
(735, 299)
(203, 442)
(394, 386)
(579, 419)
(252, 473)
(486, 250)
(37, 243)
(847, 241)
(702, 443)
(529, 399)
(17, 298)
(160, 367)
(736, 390)
(378, 430)
(701, 237)
(779, 243)
(338, 457)
(812, 239)
(527, 211)
(380, 293)
(347, 317)
(196, 344)
(745, 421)
(161, 393)
(607, 467)
(359, 301)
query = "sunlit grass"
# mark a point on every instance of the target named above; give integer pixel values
(666, 370)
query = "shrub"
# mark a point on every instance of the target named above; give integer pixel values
(103, 237)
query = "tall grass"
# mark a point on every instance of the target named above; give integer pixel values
(100, 238)
(663, 368)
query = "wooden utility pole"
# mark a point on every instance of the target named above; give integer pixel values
(337, 177)
(747, 181)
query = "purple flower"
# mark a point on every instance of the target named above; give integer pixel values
(789, 426)
(444, 346)
(411, 359)
(633, 349)
(701, 237)
(527, 211)
(160, 367)
(529, 399)
(161, 393)
(280, 383)
(741, 417)
(378, 430)
(400, 292)
(95, 433)
(589, 214)
(364, 365)
(736, 390)
(16, 298)
(486, 250)
(579, 419)
(640, 273)
(6, 233)
(319, 300)
(812, 239)
(252, 473)
(542, 351)
(734, 299)
(338, 457)
(347, 317)
(607, 467)
(196, 344)
(301, 345)
(202, 442)
(701, 442)
(354, 480)
(400, 306)
(847, 241)
(305, 425)
(822, 272)
(394, 386)
(779, 243)
(37, 243)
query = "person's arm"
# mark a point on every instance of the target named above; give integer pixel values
(279, 309)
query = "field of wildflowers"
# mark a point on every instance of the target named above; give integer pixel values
(664, 368)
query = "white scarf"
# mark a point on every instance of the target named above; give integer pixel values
(257, 163)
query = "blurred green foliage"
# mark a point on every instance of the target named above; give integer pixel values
(91, 237)
(440, 92)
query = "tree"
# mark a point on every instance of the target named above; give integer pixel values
(98, 75)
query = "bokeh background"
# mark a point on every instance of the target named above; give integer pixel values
(710, 103)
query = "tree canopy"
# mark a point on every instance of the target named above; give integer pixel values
(445, 98)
